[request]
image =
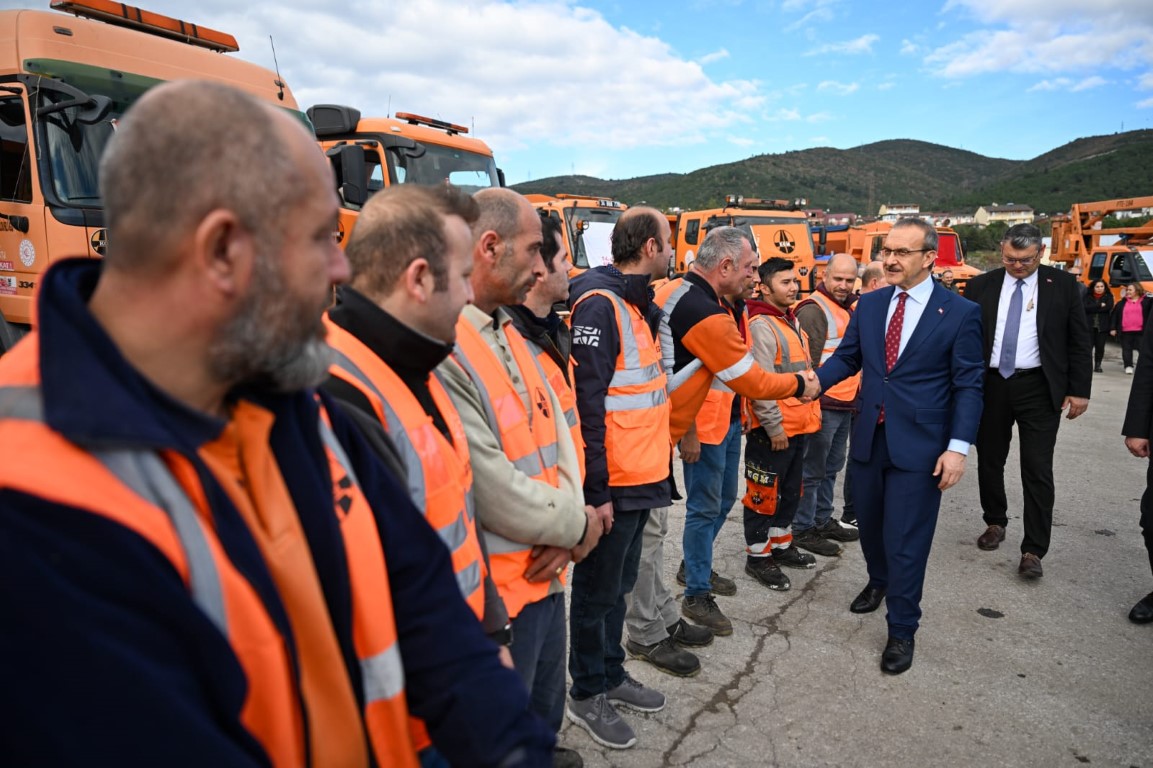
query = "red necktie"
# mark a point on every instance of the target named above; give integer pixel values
(893, 335)
(893, 340)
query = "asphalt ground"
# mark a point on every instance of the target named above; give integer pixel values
(1007, 672)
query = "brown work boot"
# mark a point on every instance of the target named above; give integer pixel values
(1030, 566)
(991, 538)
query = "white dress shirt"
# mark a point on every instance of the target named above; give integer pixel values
(915, 307)
(1028, 349)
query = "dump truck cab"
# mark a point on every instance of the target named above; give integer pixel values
(64, 82)
(586, 223)
(776, 227)
(371, 153)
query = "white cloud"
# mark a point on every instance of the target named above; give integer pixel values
(1067, 84)
(785, 115)
(709, 58)
(842, 89)
(1146, 104)
(524, 72)
(810, 18)
(741, 141)
(886, 86)
(819, 117)
(1089, 82)
(819, 141)
(1056, 84)
(862, 44)
(1067, 37)
(909, 48)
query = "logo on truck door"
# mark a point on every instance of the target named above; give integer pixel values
(784, 243)
(100, 241)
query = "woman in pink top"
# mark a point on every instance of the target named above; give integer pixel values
(1129, 317)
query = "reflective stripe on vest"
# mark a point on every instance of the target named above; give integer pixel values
(439, 475)
(837, 320)
(716, 414)
(527, 439)
(637, 441)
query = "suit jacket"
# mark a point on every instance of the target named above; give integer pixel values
(934, 392)
(1062, 330)
(1139, 414)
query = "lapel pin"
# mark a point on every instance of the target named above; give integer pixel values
(940, 311)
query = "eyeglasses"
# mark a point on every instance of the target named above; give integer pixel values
(1018, 262)
(902, 252)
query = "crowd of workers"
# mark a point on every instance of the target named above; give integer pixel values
(277, 503)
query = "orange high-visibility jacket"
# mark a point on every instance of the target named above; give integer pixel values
(697, 326)
(792, 356)
(528, 439)
(715, 416)
(439, 473)
(637, 445)
(838, 320)
(159, 496)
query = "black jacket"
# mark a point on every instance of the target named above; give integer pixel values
(1139, 414)
(1098, 310)
(549, 333)
(1062, 331)
(1119, 309)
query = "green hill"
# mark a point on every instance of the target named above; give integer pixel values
(899, 171)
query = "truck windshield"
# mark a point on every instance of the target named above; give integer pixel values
(949, 250)
(590, 235)
(470, 171)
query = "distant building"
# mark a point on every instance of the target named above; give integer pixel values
(820, 217)
(894, 211)
(947, 218)
(1009, 214)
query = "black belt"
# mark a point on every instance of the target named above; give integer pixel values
(1018, 373)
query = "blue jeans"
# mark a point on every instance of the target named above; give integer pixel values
(538, 651)
(824, 458)
(597, 607)
(711, 489)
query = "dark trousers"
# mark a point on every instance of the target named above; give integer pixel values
(1023, 399)
(597, 606)
(1099, 338)
(1130, 341)
(896, 516)
(788, 466)
(538, 652)
(1147, 513)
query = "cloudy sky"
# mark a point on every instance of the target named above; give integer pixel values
(616, 88)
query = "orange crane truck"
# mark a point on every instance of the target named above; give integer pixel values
(1119, 255)
(586, 224)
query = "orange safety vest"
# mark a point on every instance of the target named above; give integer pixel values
(837, 318)
(527, 437)
(638, 444)
(565, 394)
(439, 472)
(715, 416)
(796, 417)
(158, 496)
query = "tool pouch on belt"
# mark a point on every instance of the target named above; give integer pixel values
(760, 489)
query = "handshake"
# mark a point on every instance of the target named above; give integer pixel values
(812, 386)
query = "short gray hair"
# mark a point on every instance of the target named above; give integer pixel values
(720, 243)
(928, 232)
(1022, 237)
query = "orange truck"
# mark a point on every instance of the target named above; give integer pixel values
(1119, 256)
(863, 242)
(586, 223)
(371, 153)
(777, 227)
(65, 81)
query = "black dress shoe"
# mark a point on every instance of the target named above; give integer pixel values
(1142, 613)
(868, 601)
(898, 656)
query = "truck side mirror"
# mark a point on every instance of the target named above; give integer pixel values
(351, 173)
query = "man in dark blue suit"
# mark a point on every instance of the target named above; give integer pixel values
(919, 347)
